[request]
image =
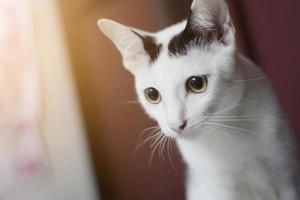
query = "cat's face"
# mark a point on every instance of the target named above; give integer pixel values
(178, 92)
(180, 71)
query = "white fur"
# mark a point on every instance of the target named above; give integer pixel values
(248, 154)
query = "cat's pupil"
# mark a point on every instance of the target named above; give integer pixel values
(153, 94)
(196, 82)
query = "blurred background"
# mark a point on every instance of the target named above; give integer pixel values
(69, 120)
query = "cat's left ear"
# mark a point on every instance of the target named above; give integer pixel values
(211, 18)
(130, 43)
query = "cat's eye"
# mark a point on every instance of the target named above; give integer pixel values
(196, 84)
(152, 95)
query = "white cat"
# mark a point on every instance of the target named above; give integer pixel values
(216, 104)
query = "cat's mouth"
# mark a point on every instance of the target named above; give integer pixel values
(190, 128)
(190, 131)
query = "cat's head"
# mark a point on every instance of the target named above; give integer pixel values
(181, 71)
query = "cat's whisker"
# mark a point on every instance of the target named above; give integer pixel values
(160, 147)
(213, 115)
(230, 133)
(150, 137)
(228, 118)
(236, 116)
(130, 102)
(146, 131)
(155, 145)
(222, 133)
(139, 145)
(229, 108)
(152, 150)
(156, 139)
(254, 79)
(163, 145)
(150, 130)
(171, 143)
(169, 149)
(231, 120)
(231, 127)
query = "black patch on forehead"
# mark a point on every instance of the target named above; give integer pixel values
(193, 35)
(150, 46)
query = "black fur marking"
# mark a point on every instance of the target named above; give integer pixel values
(151, 48)
(193, 35)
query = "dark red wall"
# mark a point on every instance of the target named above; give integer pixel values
(273, 28)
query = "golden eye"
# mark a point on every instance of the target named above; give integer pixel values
(152, 95)
(196, 84)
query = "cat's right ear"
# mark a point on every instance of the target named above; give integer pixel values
(212, 18)
(127, 41)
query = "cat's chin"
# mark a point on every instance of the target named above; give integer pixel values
(189, 134)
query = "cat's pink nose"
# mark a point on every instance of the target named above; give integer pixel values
(180, 128)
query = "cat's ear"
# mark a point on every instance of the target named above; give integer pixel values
(212, 19)
(128, 41)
